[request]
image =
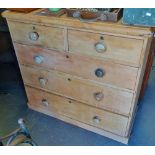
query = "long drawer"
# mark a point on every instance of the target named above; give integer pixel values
(81, 90)
(88, 68)
(118, 49)
(78, 111)
(49, 37)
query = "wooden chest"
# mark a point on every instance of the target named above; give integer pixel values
(86, 74)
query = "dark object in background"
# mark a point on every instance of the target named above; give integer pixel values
(139, 17)
(24, 10)
(19, 137)
(6, 47)
(3, 23)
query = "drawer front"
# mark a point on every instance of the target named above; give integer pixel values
(43, 36)
(78, 111)
(66, 85)
(118, 49)
(88, 68)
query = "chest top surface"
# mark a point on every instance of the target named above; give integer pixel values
(64, 21)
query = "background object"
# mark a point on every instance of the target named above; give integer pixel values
(54, 9)
(25, 10)
(46, 12)
(139, 17)
(95, 14)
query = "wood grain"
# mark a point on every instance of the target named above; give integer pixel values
(67, 85)
(146, 49)
(148, 68)
(122, 139)
(50, 37)
(121, 50)
(78, 111)
(85, 67)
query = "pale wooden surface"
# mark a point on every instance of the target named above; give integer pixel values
(81, 112)
(78, 89)
(146, 49)
(69, 64)
(54, 36)
(107, 27)
(118, 49)
(115, 74)
(82, 125)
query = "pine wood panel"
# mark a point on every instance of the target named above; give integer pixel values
(67, 85)
(115, 74)
(118, 49)
(78, 111)
(146, 49)
(122, 139)
(148, 68)
(50, 37)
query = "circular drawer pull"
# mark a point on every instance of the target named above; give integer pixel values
(100, 47)
(98, 96)
(99, 72)
(38, 59)
(96, 119)
(45, 102)
(33, 36)
(42, 81)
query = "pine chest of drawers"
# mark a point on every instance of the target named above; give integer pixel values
(86, 74)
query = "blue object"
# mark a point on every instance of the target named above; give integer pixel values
(139, 16)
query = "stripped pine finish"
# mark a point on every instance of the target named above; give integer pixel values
(86, 74)
(115, 74)
(78, 89)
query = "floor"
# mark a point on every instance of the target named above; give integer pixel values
(46, 130)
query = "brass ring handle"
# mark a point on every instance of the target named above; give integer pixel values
(42, 81)
(99, 72)
(38, 59)
(96, 119)
(34, 36)
(100, 47)
(99, 96)
(45, 102)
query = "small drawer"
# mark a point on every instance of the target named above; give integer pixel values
(50, 103)
(69, 86)
(117, 49)
(44, 36)
(88, 68)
